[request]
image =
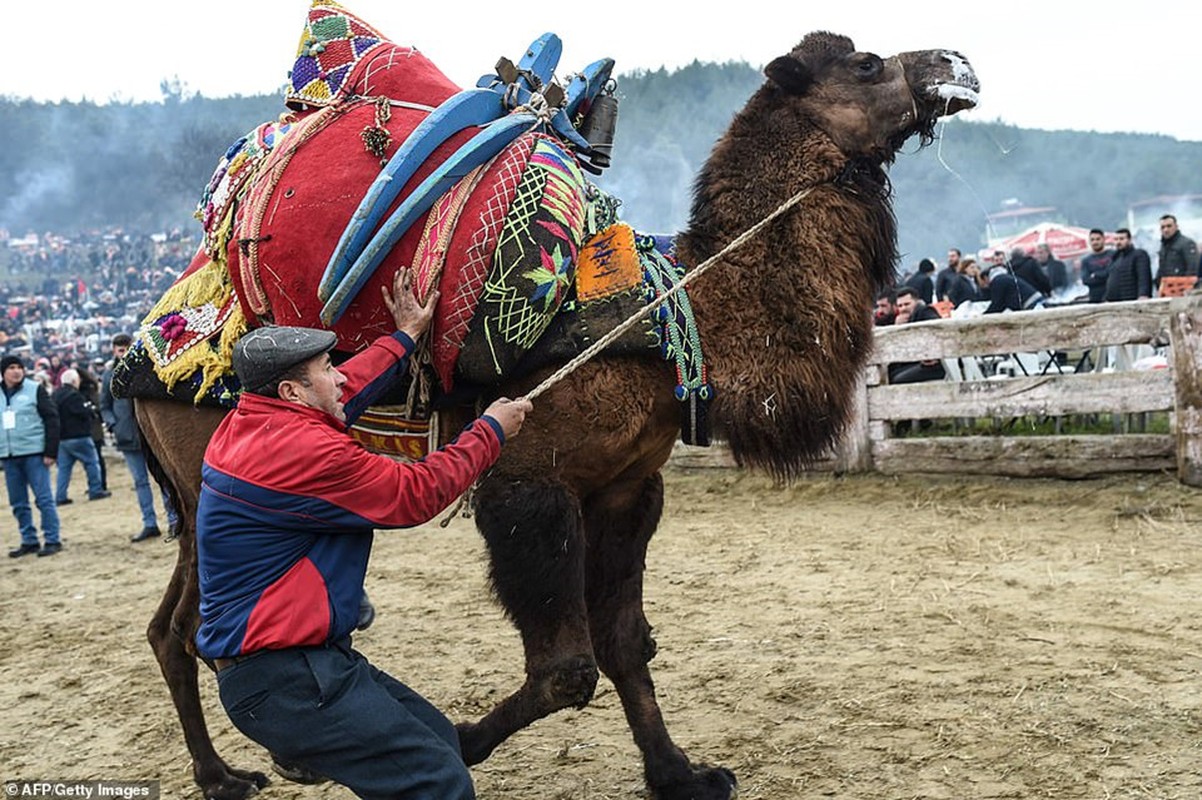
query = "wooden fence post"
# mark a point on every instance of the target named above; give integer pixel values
(1185, 332)
(854, 453)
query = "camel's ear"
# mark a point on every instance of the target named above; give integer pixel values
(789, 74)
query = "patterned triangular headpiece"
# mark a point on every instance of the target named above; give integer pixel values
(332, 44)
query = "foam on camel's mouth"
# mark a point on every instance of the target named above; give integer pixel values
(960, 93)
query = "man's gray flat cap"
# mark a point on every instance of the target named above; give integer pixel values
(261, 356)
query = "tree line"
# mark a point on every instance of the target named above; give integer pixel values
(73, 166)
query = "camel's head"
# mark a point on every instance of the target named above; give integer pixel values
(869, 105)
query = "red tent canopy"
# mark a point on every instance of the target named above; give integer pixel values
(1065, 241)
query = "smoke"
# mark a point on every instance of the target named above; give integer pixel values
(33, 193)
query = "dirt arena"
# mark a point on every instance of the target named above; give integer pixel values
(860, 637)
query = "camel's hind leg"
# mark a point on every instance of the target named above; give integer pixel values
(619, 522)
(176, 435)
(536, 547)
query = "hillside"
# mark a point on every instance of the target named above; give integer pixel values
(70, 166)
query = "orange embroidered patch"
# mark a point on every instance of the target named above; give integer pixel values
(608, 264)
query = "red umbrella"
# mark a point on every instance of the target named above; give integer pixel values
(1065, 241)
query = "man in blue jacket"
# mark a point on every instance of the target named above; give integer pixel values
(287, 510)
(28, 446)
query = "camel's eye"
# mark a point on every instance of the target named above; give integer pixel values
(867, 65)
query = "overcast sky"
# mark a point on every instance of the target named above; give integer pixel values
(1043, 64)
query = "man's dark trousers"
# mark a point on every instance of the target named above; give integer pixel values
(328, 709)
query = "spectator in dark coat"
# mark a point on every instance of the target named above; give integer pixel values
(89, 387)
(1130, 272)
(1010, 292)
(1095, 267)
(75, 416)
(1053, 267)
(1025, 267)
(118, 416)
(963, 287)
(1178, 252)
(946, 274)
(923, 281)
(911, 309)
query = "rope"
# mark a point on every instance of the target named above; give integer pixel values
(599, 345)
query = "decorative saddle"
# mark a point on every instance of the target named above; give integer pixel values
(382, 162)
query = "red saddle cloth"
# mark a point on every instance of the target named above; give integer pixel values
(303, 194)
(501, 245)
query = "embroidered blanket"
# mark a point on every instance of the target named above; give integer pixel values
(528, 255)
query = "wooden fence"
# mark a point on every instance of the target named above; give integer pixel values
(1052, 389)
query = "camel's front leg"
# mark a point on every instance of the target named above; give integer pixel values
(620, 521)
(174, 620)
(536, 548)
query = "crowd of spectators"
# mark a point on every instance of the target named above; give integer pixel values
(1022, 280)
(63, 298)
(1114, 269)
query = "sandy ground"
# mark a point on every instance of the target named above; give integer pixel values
(861, 637)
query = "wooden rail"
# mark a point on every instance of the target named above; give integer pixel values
(1173, 326)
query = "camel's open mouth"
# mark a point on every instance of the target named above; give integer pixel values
(958, 94)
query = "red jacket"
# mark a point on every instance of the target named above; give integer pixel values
(288, 504)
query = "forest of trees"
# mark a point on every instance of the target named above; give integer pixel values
(66, 167)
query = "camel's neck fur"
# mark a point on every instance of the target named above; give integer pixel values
(785, 319)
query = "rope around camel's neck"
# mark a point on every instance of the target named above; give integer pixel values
(599, 345)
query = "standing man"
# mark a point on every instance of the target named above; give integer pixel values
(118, 414)
(1178, 252)
(922, 280)
(28, 446)
(947, 274)
(1130, 272)
(89, 387)
(75, 415)
(1053, 267)
(284, 532)
(1095, 267)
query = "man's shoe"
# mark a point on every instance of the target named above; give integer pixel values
(23, 550)
(100, 495)
(367, 613)
(146, 533)
(295, 772)
(66, 502)
(50, 549)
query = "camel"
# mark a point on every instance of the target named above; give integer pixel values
(568, 511)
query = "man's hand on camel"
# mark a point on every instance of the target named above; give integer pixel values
(410, 316)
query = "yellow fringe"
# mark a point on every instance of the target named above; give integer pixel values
(208, 285)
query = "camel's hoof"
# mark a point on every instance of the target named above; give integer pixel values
(706, 783)
(235, 784)
(574, 682)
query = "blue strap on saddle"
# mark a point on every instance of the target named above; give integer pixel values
(479, 149)
(506, 104)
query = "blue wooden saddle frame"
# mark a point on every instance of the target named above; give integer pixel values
(503, 110)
